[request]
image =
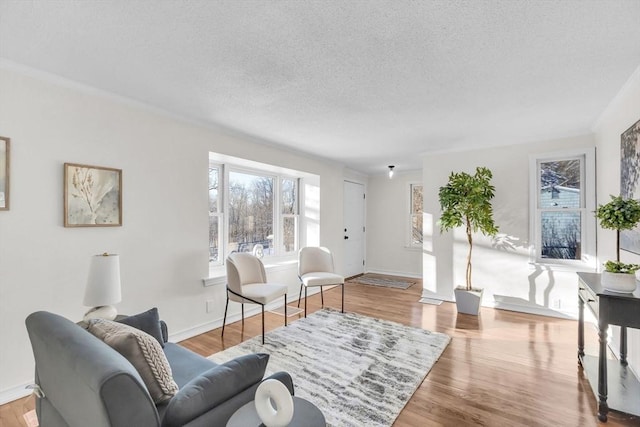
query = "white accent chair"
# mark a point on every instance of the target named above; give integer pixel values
(315, 268)
(247, 283)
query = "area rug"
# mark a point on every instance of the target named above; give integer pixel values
(381, 281)
(360, 371)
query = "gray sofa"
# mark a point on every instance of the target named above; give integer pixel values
(87, 383)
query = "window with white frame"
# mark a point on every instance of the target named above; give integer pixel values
(289, 212)
(251, 208)
(415, 195)
(563, 201)
(215, 215)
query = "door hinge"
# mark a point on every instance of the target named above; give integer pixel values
(363, 262)
(364, 196)
(363, 229)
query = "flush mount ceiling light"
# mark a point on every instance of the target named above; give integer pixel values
(391, 171)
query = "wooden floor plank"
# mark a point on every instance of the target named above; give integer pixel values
(501, 369)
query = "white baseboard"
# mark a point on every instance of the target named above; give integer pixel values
(250, 310)
(196, 330)
(433, 295)
(14, 393)
(395, 273)
(501, 305)
(540, 311)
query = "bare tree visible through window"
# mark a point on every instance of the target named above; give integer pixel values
(416, 215)
(214, 214)
(250, 210)
(289, 213)
(561, 235)
(250, 207)
(560, 203)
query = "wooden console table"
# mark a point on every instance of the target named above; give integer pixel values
(617, 387)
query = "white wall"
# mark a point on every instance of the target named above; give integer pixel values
(504, 269)
(163, 243)
(623, 111)
(388, 226)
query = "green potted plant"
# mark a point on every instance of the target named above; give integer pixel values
(619, 214)
(466, 201)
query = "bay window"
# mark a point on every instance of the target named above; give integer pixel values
(252, 209)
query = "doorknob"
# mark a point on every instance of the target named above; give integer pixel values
(346, 237)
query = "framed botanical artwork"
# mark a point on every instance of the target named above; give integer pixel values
(92, 196)
(5, 145)
(630, 181)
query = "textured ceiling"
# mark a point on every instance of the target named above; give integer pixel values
(364, 82)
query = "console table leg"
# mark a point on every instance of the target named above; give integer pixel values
(580, 330)
(623, 346)
(603, 408)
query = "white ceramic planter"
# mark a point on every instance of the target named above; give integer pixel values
(468, 302)
(618, 282)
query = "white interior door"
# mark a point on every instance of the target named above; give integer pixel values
(353, 228)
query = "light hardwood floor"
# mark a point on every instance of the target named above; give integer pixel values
(501, 369)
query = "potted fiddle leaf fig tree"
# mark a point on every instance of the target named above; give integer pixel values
(466, 201)
(619, 214)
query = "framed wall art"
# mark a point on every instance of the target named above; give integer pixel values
(5, 145)
(92, 196)
(629, 180)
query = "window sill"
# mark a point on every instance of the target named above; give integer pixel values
(217, 276)
(566, 266)
(218, 273)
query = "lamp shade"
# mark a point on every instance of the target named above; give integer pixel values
(103, 283)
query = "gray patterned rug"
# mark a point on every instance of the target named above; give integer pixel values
(367, 279)
(360, 371)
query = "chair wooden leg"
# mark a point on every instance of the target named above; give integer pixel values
(321, 297)
(300, 295)
(343, 297)
(263, 325)
(285, 309)
(242, 304)
(305, 301)
(224, 319)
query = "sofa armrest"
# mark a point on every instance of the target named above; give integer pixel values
(214, 387)
(220, 415)
(285, 379)
(86, 382)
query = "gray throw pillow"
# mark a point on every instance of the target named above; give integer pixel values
(143, 352)
(149, 322)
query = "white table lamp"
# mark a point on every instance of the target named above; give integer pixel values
(103, 287)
